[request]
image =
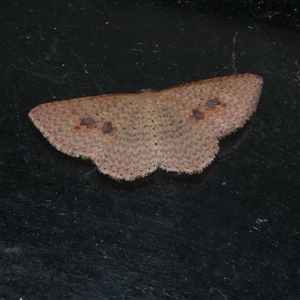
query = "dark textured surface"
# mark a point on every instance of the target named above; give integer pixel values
(276, 13)
(68, 232)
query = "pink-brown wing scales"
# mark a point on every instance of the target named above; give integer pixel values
(133, 152)
(219, 105)
(183, 147)
(83, 126)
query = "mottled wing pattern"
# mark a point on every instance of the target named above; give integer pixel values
(218, 105)
(83, 126)
(183, 147)
(133, 152)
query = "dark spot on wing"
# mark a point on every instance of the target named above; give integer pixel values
(107, 128)
(212, 103)
(197, 115)
(88, 122)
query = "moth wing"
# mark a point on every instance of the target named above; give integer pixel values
(133, 152)
(83, 126)
(182, 146)
(219, 105)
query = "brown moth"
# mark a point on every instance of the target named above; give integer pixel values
(131, 135)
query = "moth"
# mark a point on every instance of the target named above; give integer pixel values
(131, 135)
